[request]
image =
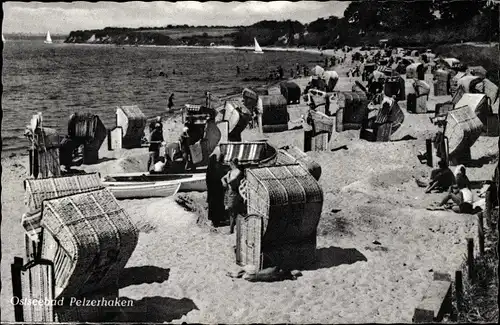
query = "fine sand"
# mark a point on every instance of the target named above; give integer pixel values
(178, 270)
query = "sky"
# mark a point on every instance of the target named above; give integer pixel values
(61, 17)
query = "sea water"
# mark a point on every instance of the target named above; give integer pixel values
(60, 79)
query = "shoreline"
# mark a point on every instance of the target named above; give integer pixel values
(329, 52)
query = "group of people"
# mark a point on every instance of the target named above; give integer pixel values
(223, 196)
(162, 164)
(456, 185)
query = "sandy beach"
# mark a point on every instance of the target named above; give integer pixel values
(178, 271)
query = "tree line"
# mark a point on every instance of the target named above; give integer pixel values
(365, 22)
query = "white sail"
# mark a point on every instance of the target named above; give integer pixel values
(48, 40)
(257, 47)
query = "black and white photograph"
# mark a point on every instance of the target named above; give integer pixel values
(248, 162)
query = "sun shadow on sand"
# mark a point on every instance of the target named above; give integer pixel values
(103, 159)
(405, 138)
(327, 257)
(154, 309)
(143, 274)
(480, 162)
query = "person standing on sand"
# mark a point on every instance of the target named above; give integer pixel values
(185, 141)
(233, 202)
(154, 145)
(171, 102)
(215, 190)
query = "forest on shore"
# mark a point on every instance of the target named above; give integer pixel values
(416, 23)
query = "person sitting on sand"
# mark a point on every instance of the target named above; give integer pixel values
(460, 173)
(233, 202)
(154, 145)
(461, 196)
(441, 179)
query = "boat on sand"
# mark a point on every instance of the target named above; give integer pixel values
(144, 185)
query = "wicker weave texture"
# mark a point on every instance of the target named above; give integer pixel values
(322, 122)
(251, 96)
(463, 129)
(294, 155)
(248, 241)
(92, 240)
(288, 198)
(36, 284)
(38, 190)
(231, 115)
(133, 122)
(43, 138)
(291, 91)
(478, 103)
(354, 106)
(469, 83)
(275, 128)
(48, 163)
(274, 110)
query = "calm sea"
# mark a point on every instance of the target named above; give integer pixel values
(61, 79)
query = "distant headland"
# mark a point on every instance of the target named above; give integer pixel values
(417, 23)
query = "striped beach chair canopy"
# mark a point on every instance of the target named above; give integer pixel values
(246, 152)
(193, 108)
(385, 70)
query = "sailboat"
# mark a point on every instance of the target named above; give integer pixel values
(48, 40)
(257, 47)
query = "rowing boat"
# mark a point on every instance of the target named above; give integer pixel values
(141, 185)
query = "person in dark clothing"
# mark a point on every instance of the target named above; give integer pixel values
(292, 74)
(154, 145)
(215, 190)
(327, 105)
(237, 70)
(171, 101)
(66, 152)
(280, 72)
(233, 202)
(441, 179)
(308, 126)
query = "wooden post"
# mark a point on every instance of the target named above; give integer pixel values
(470, 258)
(15, 269)
(488, 206)
(429, 147)
(480, 230)
(458, 289)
